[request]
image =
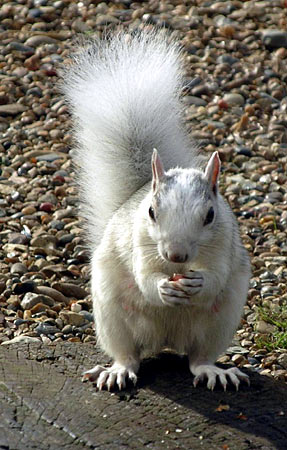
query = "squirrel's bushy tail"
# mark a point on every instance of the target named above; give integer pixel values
(124, 98)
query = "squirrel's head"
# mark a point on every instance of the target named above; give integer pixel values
(183, 212)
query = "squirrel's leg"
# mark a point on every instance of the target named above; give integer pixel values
(114, 335)
(207, 370)
(114, 376)
(216, 331)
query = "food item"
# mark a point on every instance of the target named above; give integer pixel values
(176, 277)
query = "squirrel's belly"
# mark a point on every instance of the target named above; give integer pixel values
(161, 328)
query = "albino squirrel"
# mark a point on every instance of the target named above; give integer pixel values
(167, 264)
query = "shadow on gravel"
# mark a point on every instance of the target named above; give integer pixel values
(259, 410)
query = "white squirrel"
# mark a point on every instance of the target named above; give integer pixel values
(151, 214)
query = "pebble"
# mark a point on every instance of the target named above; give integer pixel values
(23, 287)
(76, 307)
(57, 224)
(282, 360)
(87, 315)
(52, 293)
(45, 328)
(39, 39)
(23, 340)
(264, 327)
(63, 213)
(234, 99)
(192, 100)
(12, 109)
(226, 59)
(65, 239)
(50, 157)
(46, 206)
(72, 318)
(67, 329)
(70, 290)
(18, 268)
(14, 45)
(274, 38)
(43, 240)
(30, 299)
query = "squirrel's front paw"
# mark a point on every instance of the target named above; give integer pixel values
(191, 282)
(111, 377)
(171, 294)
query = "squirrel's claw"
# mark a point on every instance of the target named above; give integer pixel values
(172, 295)
(110, 377)
(191, 283)
(92, 374)
(211, 372)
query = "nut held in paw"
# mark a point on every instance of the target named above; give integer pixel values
(176, 277)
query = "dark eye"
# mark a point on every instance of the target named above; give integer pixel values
(151, 213)
(209, 216)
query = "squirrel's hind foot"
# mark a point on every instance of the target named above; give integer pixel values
(110, 377)
(211, 372)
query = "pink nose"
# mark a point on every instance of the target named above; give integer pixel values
(177, 257)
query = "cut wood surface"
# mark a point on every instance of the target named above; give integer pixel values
(44, 405)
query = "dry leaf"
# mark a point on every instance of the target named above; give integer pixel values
(221, 408)
(242, 417)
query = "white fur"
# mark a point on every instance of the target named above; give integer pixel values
(124, 96)
(125, 101)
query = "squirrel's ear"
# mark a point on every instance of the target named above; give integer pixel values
(212, 171)
(157, 170)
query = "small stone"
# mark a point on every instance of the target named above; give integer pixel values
(226, 59)
(39, 39)
(22, 288)
(30, 299)
(282, 360)
(72, 318)
(28, 210)
(67, 329)
(14, 45)
(264, 327)
(90, 339)
(12, 109)
(79, 26)
(192, 100)
(22, 339)
(45, 328)
(63, 213)
(236, 349)
(43, 241)
(239, 359)
(75, 307)
(56, 224)
(65, 239)
(234, 99)
(70, 290)
(33, 13)
(39, 307)
(46, 207)
(45, 339)
(52, 293)
(88, 316)
(105, 19)
(18, 268)
(27, 315)
(274, 38)
(50, 157)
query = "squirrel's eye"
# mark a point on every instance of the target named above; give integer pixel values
(209, 216)
(151, 213)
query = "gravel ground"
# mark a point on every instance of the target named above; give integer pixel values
(236, 101)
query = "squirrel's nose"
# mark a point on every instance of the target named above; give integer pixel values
(177, 257)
